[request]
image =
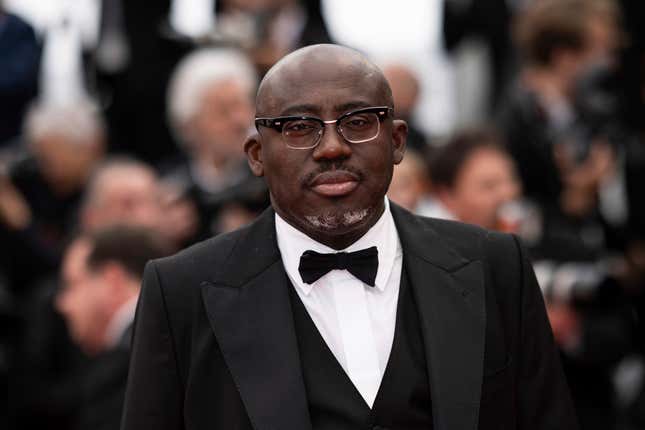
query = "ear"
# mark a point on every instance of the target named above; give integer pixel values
(399, 138)
(253, 149)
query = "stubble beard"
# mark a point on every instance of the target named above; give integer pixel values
(336, 221)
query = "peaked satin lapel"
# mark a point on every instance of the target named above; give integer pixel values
(449, 292)
(249, 310)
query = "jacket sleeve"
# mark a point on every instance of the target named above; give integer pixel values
(544, 401)
(154, 394)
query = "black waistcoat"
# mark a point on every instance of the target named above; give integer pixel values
(403, 399)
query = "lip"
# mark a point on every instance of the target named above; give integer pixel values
(335, 183)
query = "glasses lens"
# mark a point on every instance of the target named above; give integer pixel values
(301, 133)
(360, 127)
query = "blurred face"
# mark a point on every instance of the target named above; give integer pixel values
(485, 182)
(408, 184)
(223, 122)
(128, 196)
(82, 299)
(405, 88)
(335, 189)
(66, 165)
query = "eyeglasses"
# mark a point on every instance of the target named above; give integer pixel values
(305, 132)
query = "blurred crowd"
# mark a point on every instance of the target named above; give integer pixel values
(121, 130)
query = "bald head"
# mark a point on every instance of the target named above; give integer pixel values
(323, 63)
(331, 185)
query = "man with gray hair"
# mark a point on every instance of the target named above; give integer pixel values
(39, 193)
(211, 112)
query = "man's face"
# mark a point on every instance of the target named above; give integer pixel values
(337, 186)
(222, 122)
(133, 199)
(485, 182)
(82, 298)
(64, 164)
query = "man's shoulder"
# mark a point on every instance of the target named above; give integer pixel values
(500, 254)
(201, 260)
(467, 240)
(463, 233)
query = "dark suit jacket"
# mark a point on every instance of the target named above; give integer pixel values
(103, 387)
(214, 343)
(19, 65)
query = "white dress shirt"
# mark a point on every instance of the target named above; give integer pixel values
(356, 321)
(121, 320)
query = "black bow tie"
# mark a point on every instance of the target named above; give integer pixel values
(362, 264)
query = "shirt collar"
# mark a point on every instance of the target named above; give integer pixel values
(292, 243)
(120, 322)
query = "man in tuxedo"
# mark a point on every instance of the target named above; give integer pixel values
(337, 309)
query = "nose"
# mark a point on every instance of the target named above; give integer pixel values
(332, 145)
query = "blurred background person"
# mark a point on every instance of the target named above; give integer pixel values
(270, 29)
(564, 128)
(211, 112)
(409, 34)
(119, 192)
(40, 190)
(126, 191)
(473, 179)
(558, 150)
(101, 276)
(40, 187)
(405, 92)
(476, 35)
(114, 52)
(410, 183)
(19, 64)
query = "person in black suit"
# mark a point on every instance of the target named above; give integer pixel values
(19, 64)
(102, 274)
(386, 320)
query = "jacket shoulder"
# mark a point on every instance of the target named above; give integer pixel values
(194, 264)
(471, 241)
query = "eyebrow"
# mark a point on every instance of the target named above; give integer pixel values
(308, 108)
(346, 107)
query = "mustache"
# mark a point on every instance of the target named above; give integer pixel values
(330, 166)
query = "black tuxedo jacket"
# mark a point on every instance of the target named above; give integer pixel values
(214, 342)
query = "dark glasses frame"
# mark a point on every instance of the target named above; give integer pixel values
(277, 123)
